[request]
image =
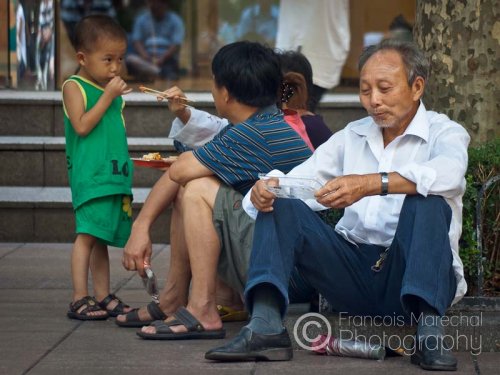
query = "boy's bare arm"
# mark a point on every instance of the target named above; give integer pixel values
(84, 122)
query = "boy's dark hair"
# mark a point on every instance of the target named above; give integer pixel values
(91, 28)
(294, 61)
(249, 71)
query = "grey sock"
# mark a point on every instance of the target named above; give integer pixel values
(266, 312)
(430, 323)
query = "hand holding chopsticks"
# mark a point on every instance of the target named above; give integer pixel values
(164, 95)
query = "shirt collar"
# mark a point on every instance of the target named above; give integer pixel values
(269, 110)
(264, 112)
(419, 126)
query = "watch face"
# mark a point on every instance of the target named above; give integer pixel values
(385, 183)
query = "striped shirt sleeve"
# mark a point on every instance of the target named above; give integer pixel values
(239, 153)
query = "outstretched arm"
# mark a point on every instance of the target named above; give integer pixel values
(138, 249)
(191, 126)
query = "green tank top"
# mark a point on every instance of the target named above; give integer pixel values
(98, 163)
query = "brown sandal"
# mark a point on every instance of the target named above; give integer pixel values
(117, 310)
(90, 305)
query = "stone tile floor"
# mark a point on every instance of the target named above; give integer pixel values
(37, 338)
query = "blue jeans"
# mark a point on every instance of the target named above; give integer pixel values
(418, 262)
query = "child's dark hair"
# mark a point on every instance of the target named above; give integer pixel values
(294, 61)
(249, 71)
(94, 27)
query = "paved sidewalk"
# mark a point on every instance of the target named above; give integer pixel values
(37, 338)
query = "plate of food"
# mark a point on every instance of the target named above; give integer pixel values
(154, 160)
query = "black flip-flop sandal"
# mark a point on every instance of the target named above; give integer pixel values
(117, 310)
(133, 320)
(90, 304)
(195, 330)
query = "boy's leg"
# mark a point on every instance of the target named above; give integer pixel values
(80, 261)
(99, 268)
(92, 222)
(108, 220)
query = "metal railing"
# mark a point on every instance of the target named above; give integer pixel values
(479, 231)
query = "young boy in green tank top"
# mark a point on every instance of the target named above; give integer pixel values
(99, 166)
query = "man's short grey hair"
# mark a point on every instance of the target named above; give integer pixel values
(415, 62)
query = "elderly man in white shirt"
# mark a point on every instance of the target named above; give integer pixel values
(399, 174)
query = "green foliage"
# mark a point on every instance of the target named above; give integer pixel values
(331, 216)
(484, 163)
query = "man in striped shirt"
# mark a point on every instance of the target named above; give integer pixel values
(208, 220)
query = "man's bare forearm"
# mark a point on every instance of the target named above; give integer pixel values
(160, 197)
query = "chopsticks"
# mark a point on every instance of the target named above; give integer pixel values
(150, 91)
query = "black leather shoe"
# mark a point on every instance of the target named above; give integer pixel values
(250, 346)
(432, 354)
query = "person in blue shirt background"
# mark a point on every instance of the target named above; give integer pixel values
(157, 36)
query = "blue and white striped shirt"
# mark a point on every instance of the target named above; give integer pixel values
(258, 145)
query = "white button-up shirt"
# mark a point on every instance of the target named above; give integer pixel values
(432, 153)
(200, 128)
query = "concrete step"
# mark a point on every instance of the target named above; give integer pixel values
(45, 214)
(470, 326)
(40, 113)
(33, 203)
(41, 161)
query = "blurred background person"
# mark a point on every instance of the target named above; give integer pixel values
(259, 23)
(157, 36)
(400, 29)
(320, 30)
(22, 61)
(73, 11)
(45, 46)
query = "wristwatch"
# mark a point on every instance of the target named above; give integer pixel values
(385, 183)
